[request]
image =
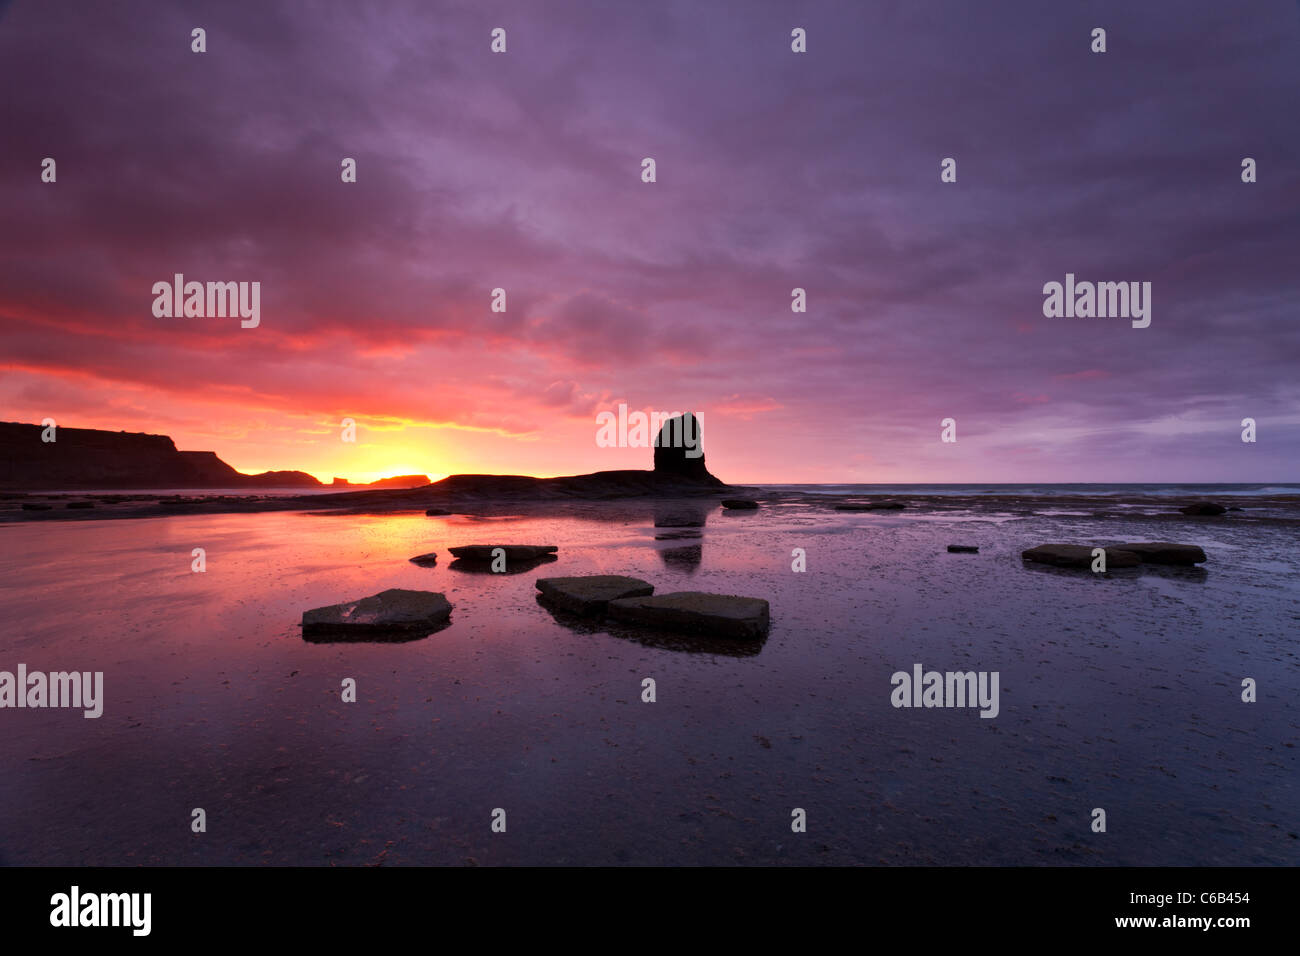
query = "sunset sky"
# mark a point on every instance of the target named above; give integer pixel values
(775, 170)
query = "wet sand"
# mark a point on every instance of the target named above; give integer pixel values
(1119, 691)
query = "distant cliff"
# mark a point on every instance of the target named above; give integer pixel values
(90, 458)
(397, 481)
(84, 458)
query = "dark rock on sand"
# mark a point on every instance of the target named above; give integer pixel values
(1079, 556)
(872, 506)
(1162, 552)
(513, 552)
(437, 512)
(739, 504)
(33, 506)
(964, 548)
(1203, 508)
(715, 615)
(466, 566)
(679, 451)
(430, 558)
(394, 610)
(80, 504)
(589, 594)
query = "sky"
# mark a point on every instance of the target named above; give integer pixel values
(775, 170)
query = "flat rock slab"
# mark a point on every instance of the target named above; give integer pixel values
(1079, 556)
(514, 552)
(1203, 508)
(964, 549)
(591, 593)
(873, 506)
(739, 504)
(695, 612)
(430, 558)
(1162, 552)
(392, 610)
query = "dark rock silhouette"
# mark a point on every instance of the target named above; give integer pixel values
(397, 481)
(679, 450)
(83, 459)
(1079, 556)
(92, 458)
(1163, 552)
(510, 552)
(468, 566)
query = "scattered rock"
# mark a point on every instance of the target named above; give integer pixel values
(392, 610)
(1079, 556)
(513, 552)
(469, 566)
(430, 558)
(964, 548)
(589, 594)
(1162, 552)
(873, 506)
(720, 615)
(739, 504)
(1203, 508)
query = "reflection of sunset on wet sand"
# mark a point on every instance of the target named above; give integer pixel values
(211, 685)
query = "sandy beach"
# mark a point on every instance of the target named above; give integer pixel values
(1119, 691)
